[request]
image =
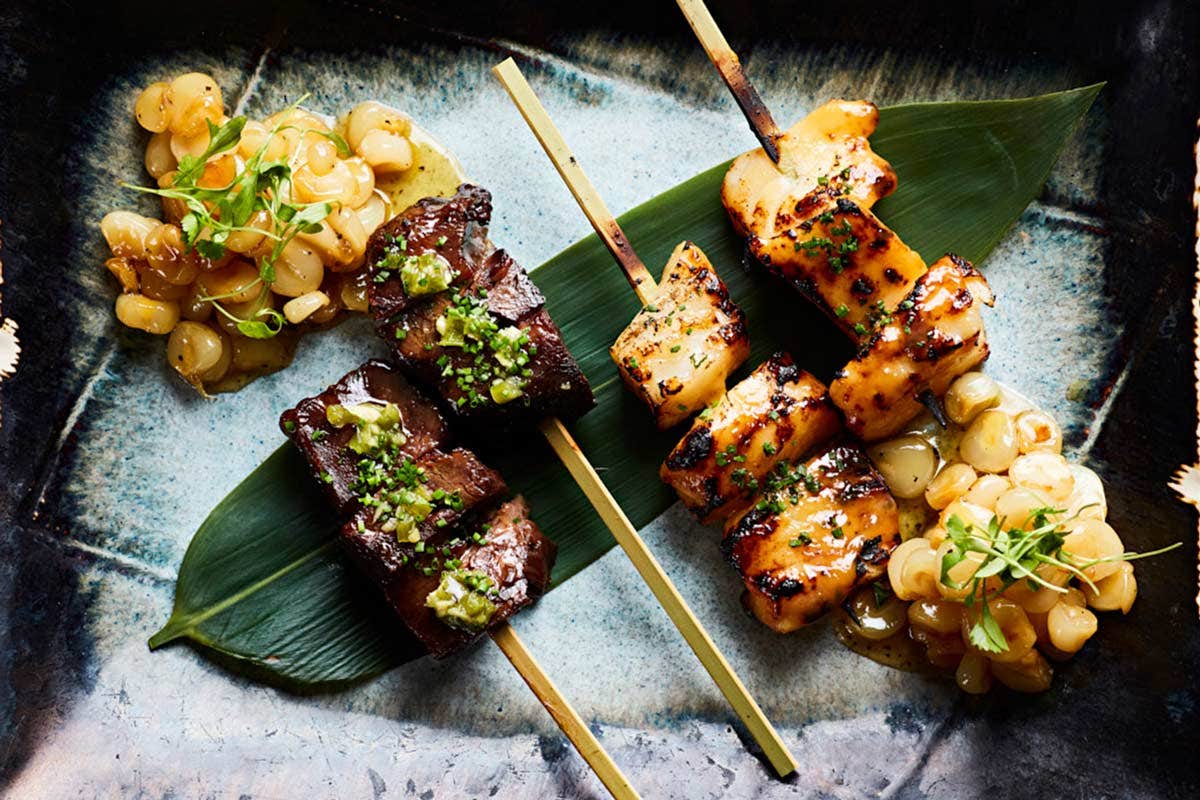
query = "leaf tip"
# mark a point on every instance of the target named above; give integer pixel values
(166, 635)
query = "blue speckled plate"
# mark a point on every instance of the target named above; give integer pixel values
(109, 464)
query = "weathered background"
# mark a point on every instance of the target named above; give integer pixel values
(108, 464)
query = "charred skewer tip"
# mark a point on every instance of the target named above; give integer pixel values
(934, 405)
(730, 67)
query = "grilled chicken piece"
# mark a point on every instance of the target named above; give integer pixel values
(325, 446)
(477, 332)
(844, 259)
(776, 415)
(511, 552)
(821, 530)
(679, 349)
(934, 336)
(823, 157)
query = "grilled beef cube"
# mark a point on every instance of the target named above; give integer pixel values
(419, 500)
(325, 446)
(485, 343)
(777, 414)
(678, 351)
(512, 554)
(454, 229)
(934, 336)
(844, 259)
(464, 377)
(822, 529)
(823, 157)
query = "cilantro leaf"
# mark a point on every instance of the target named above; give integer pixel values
(210, 248)
(986, 634)
(256, 329)
(343, 148)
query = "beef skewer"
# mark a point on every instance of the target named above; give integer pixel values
(465, 321)
(429, 526)
(742, 458)
(644, 286)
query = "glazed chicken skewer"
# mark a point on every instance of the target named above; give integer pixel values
(643, 284)
(805, 208)
(429, 525)
(742, 447)
(742, 452)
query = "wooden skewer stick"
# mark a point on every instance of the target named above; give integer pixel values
(930, 401)
(597, 493)
(577, 181)
(560, 709)
(730, 67)
(672, 602)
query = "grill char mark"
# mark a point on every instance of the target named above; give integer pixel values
(556, 386)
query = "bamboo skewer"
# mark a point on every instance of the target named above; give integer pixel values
(577, 181)
(730, 67)
(560, 709)
(568, 451)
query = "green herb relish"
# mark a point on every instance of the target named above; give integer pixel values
(390, 484)
(428, 273)
(376, 425)
(502, 355)
(463, 599)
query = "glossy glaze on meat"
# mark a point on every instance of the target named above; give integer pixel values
(801, 550)
(517, 557)
(776, 414)
(324, 446)
(936, 335)
(456, 228)
(510, 549)
(677, 352)
(823, 157)
(846, 261)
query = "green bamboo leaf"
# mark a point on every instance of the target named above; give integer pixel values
(262, 584)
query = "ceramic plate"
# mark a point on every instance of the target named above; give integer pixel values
(109, 463)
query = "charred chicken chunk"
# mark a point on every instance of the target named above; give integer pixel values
(373, 388)
(823, 157)
(820, 530)
(931, 338)
(679, 349)
(466, 583)
(777, 414)
(467, 320)
(844, 259)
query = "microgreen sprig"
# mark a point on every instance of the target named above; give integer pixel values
(213, 214)
(1012, 555)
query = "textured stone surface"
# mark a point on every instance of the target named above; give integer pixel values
(109, 465)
